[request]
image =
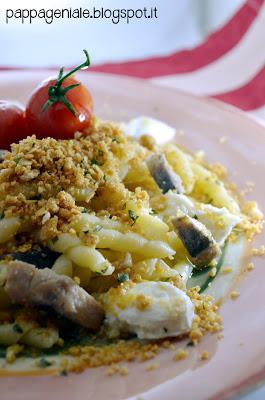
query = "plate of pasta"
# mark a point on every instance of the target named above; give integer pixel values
(130, 219)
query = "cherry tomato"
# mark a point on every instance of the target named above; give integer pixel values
(13, 126)
(60, 106)
(57, 120)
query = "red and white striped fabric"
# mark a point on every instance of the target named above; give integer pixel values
(229, 65)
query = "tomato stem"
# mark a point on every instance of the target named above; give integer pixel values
(57, 94)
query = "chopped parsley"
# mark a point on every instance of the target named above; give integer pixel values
(2, 214)
(101, 153)
(165, 329)
(85, 210)
(36, 197)
(153, 212)
(122, 277)
(114, 139)
(195, 216)
(44, 363)
(191, 344)
(133, 216)
(17, 159)
(102, 272)
(94, 161)
(63, 373)
(17, 328)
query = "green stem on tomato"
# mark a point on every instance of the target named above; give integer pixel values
(57, 94)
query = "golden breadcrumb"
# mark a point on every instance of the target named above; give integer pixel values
(204, 355)
(206, 317)
(259, 252)
(250, 266)
(234, 295)
(212, 272)
(180, 354)
(226, 270)
(152, 367)
(114, 369)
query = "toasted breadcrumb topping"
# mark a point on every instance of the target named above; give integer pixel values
(204, 355)
(180, 354)
(206, 317)
(259, 252)
(234, 295)
(48, 182)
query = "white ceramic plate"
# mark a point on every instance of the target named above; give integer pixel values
(239, 359)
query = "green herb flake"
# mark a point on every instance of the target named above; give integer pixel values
(122, 277)
(133, 216)
(63, 372)
(36, 197)
(44, 363)
(103, 271)
(153, 212)
(85, 210)
(195, 216)
(114, 139)
(101, 153)
(17, 160)
(97, 228)
(94, 162)
(190, 344)
(17, 328)
(2, 214)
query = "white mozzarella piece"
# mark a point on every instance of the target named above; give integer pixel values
(169, 311)
(219, 221)
(149, 126)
